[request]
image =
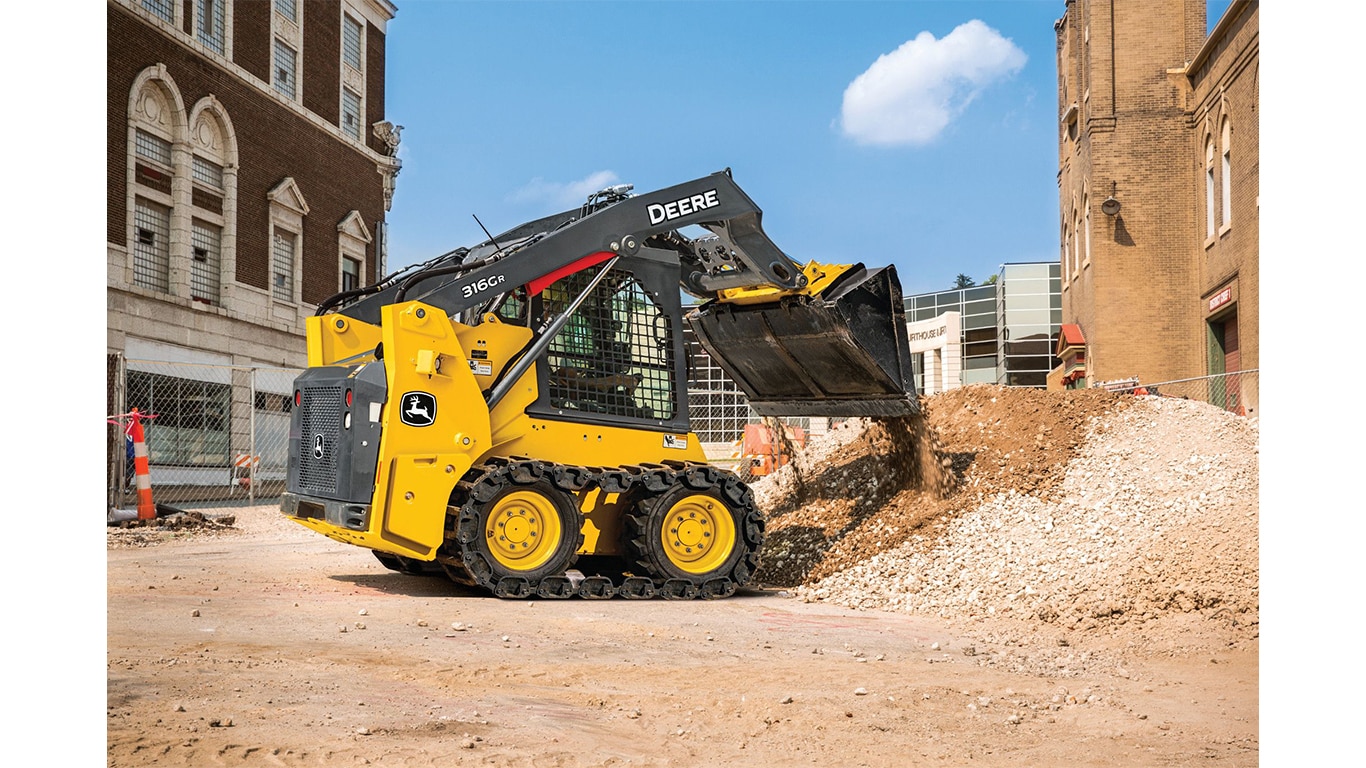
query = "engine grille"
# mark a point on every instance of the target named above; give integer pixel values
(320, 429)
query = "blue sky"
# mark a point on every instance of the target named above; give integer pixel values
(916, 133)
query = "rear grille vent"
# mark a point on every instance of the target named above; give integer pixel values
(320, 422)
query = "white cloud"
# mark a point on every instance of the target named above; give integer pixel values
(567, 193)
(909, 96)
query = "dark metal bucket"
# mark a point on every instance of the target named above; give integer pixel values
(842, 353)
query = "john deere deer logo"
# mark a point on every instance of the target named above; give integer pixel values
(417, 409)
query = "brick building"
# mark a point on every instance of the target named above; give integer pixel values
(1158, 192)
(250, 169)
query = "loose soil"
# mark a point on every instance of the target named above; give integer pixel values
(1022, 578)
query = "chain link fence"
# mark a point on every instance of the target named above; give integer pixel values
(1236, 391)
(216, 435)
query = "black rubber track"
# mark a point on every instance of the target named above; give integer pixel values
(638, 485)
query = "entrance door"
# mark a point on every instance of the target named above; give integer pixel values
(1225, 358)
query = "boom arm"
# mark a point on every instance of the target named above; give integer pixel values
(814, 340)
(741, 255)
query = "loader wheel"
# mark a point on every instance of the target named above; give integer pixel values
(697, 534)
(524, 530)
(695, 542)
(516, 528)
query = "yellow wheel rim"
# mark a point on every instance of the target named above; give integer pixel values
(698, 534)
(523, 531)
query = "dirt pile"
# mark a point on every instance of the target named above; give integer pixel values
(168, 525)
(1079, 510)
(868, 485)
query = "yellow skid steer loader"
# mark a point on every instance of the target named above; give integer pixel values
(514, 414)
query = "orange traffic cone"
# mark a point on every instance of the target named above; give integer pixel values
(146, 509)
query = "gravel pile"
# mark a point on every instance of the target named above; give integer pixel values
(1117, 510)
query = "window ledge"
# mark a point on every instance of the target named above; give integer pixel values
(1211, 240)
(1224, 229)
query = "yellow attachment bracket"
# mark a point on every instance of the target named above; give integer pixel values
(818, 278)
(335, 339)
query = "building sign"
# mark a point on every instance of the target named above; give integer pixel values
(1221, 298)
(935, 333)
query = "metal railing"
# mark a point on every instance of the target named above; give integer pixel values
(1235, 391)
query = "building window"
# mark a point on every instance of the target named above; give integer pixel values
(350, 276)
(287, 8)
(1086, 228)
(1209, 188)
(206, 261)
(285, 67)
(351, 42)
(1226, 138)
(1077, 246)
(212, 209)
(151, 245)
(162, 9)
(209, 21)
(282, 266)
(191, 427)
(1066, 255)
(353, 241)
(286, 233)
(152, 147)
(208, 173)
(350, 119)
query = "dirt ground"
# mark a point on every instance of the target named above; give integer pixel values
(265, 645)
(1025, 578)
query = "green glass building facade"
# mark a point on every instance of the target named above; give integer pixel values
(1008, 326)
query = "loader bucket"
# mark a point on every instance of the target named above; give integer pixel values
(843, 352)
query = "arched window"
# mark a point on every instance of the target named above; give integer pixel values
(1209, 187)
(1076, 239)
(156, 125)
(1066, 254)
(213, 200)
(1086, 225)
(1226, 188)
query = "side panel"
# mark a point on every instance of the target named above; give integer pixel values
(436, 425)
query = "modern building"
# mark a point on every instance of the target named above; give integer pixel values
(1158, 158)
(998, 333)
(250, 169)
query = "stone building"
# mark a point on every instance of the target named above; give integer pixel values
(250, 169)
(1158, 192)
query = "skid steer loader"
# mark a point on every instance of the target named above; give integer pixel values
(514, 415)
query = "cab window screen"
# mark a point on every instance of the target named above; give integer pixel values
(615, 356)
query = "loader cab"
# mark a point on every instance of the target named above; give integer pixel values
(619, 361)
